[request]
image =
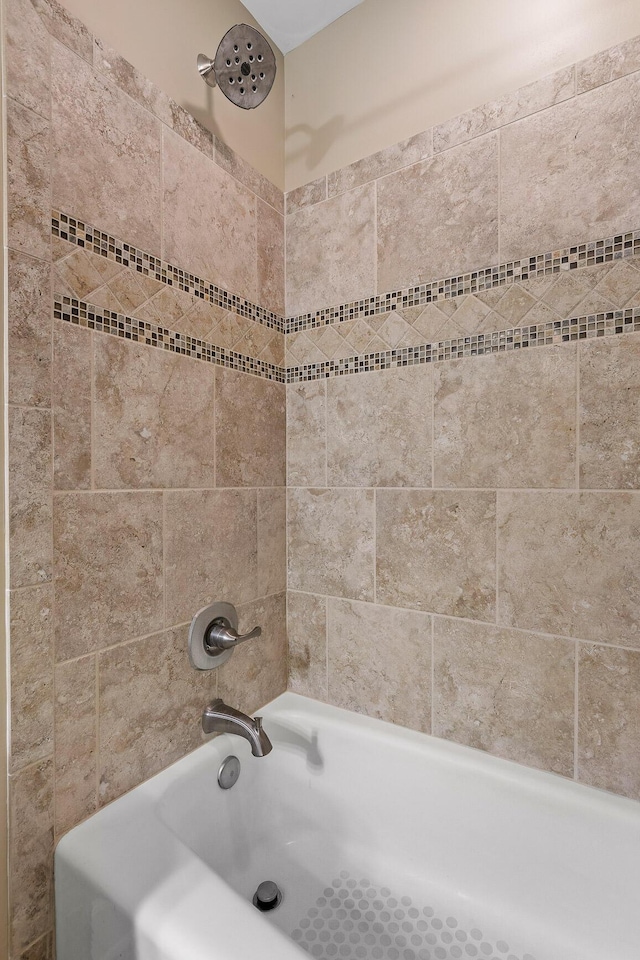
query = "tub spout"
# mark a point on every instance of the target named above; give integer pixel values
(220, 718)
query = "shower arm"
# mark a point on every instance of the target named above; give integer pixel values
(206, 69)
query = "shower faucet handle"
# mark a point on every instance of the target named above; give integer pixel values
(214, 635)
(221, 635)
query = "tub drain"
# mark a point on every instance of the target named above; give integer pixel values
(267, 896)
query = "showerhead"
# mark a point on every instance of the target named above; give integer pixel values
(244, 67)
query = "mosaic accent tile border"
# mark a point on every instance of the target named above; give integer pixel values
(547, 334)
(588, 254)
(83, 314)
(88, 237)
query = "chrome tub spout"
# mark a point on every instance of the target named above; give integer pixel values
(218, 717)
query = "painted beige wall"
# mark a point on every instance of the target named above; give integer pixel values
(386, 71)
(162, 38)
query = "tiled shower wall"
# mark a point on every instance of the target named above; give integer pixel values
(147, 433)
(462, 517)
(464, 504)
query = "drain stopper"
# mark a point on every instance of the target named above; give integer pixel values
(267, 896)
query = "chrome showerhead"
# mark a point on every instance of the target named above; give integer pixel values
(244, 67)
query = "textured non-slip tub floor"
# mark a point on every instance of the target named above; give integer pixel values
(355, 919)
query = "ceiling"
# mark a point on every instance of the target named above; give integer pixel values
(290, 22)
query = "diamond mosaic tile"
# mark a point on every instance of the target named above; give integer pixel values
(107, 285)
(591, 290)
(76, 232)
(594, 253)
(84, 314)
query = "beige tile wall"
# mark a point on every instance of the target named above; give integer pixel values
(479, 515)
(143, 484)
(554, 164)
(487, 591)
(464, 538)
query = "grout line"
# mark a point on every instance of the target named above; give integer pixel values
(497, 559)
(18, 771)
(578, 362)
(539, 634)
(92, 412)
(576, 710)
(433, 676)
(162, 204)
(375, 237)
(168, 490)
(452, 490)
(124, 643)
(52, 667)
(433, 429)
(326, 646)
(164, 559)
(183, 624)
(97, 729)
(499, 194)
(375, 545)
(326, 434)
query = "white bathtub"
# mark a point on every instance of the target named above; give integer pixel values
(387, 845)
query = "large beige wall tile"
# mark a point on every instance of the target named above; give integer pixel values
(439, 217)
(571, 173)
(436, 551)
(306, 434)
(65, 27)
(71, 407)
(211, 550)
(245, 173)
(272, 541)
(250, 431)
(29, 330)
(76, 733)
(568, 564)
(379, 164)
(609, 719)
(151, 702)
(27, 55)
(28, 183)
(257, 671)
(379, 429)
(106, 154)
(208, 219)
(108, 569)
(307, 636)
(31, 665)
(610, 64)
(31, 854)
(42, 949)
(331, 251)
(390, 680)
(153, 417)
(529, 99)
(108, 61)
(509, 693)
(610, 413)
(331, 542)
(270, 253)
(307, 195)
(506, 420)
(30, 470)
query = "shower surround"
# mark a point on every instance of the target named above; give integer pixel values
(142, 480)
(463, 509)
(462, 514)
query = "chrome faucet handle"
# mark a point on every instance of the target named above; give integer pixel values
(213, 635)
(221, 635)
